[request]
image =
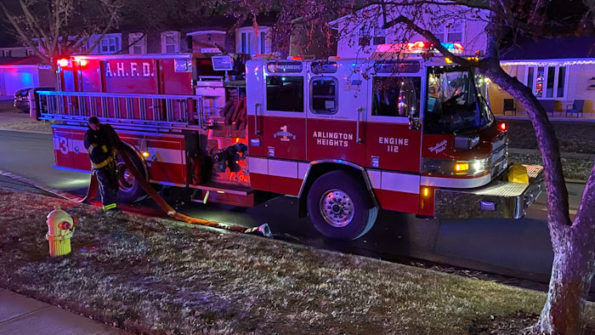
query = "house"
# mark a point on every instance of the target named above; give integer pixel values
(15, 52)
(24, 72)
(363, 35)
(559, 71)
(214, 35)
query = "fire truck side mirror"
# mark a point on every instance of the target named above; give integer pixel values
(414, 123)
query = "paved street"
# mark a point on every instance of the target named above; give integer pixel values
(515, 248)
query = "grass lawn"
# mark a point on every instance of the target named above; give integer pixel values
(13, 119)
(573, 168)
(572, 136)
(153, 275)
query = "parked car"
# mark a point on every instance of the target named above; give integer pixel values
(21, 97)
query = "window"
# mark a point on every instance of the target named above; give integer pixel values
(454, 33)
(285, 93)
(371, 34)
(263, 42)
(324, 95)
(379, 36)
(109, 44)
(252, 42)
(453, 103)
(395, 96)
(170, 42)
(546, 82)
(449, 33)
(561, 81)
(137, 43)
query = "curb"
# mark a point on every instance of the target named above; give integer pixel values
(58, 193)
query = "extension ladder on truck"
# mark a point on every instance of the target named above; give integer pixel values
(156, 110)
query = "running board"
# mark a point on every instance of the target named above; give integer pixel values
(214, 193)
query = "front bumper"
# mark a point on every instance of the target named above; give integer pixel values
(498, 199)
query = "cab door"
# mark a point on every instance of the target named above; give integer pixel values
(394, 143)
(277, 127)
(336, 113)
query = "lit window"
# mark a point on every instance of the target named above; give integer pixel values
(547, 82)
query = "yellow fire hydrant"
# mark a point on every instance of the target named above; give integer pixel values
(60, 229)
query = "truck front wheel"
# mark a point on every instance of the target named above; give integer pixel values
(129, 188)
(340, 207)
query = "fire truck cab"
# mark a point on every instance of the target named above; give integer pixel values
(348, 137)
(351, 136)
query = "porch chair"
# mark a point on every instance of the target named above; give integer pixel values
(577, 108)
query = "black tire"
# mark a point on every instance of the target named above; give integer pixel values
(129, 188)
(350, 212)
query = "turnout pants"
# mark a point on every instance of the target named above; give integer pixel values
(108, 185)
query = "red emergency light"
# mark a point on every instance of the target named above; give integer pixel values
(503, 126)
(417, 46)
(62, 62)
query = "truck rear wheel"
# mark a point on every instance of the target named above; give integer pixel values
(340, 206)
(129, 188)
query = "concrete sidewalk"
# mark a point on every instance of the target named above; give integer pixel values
(25, 316)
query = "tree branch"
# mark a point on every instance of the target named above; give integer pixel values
(23, 36)
(431, 38)
(557, 193)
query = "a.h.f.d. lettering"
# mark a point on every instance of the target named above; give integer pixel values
(128, 70)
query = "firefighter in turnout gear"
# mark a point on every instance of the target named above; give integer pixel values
(101, 142)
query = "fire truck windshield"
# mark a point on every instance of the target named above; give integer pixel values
(454, 102)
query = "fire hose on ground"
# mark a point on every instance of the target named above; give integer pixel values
(263, 229)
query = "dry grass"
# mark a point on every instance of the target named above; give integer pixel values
(572, 136)
(156, 276)
(13, 119)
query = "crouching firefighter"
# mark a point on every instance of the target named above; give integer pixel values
(101, 142)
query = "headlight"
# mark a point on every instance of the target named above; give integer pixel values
(447, 167)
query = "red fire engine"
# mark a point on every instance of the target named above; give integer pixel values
(347, 137)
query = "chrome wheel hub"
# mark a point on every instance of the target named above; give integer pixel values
(126, 180)
(336, 208)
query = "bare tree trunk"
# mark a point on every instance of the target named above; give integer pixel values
(572, 271)
(573, 243)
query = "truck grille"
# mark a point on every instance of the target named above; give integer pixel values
(499, 158)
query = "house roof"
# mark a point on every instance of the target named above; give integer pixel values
(23, 61)
(552, 48)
